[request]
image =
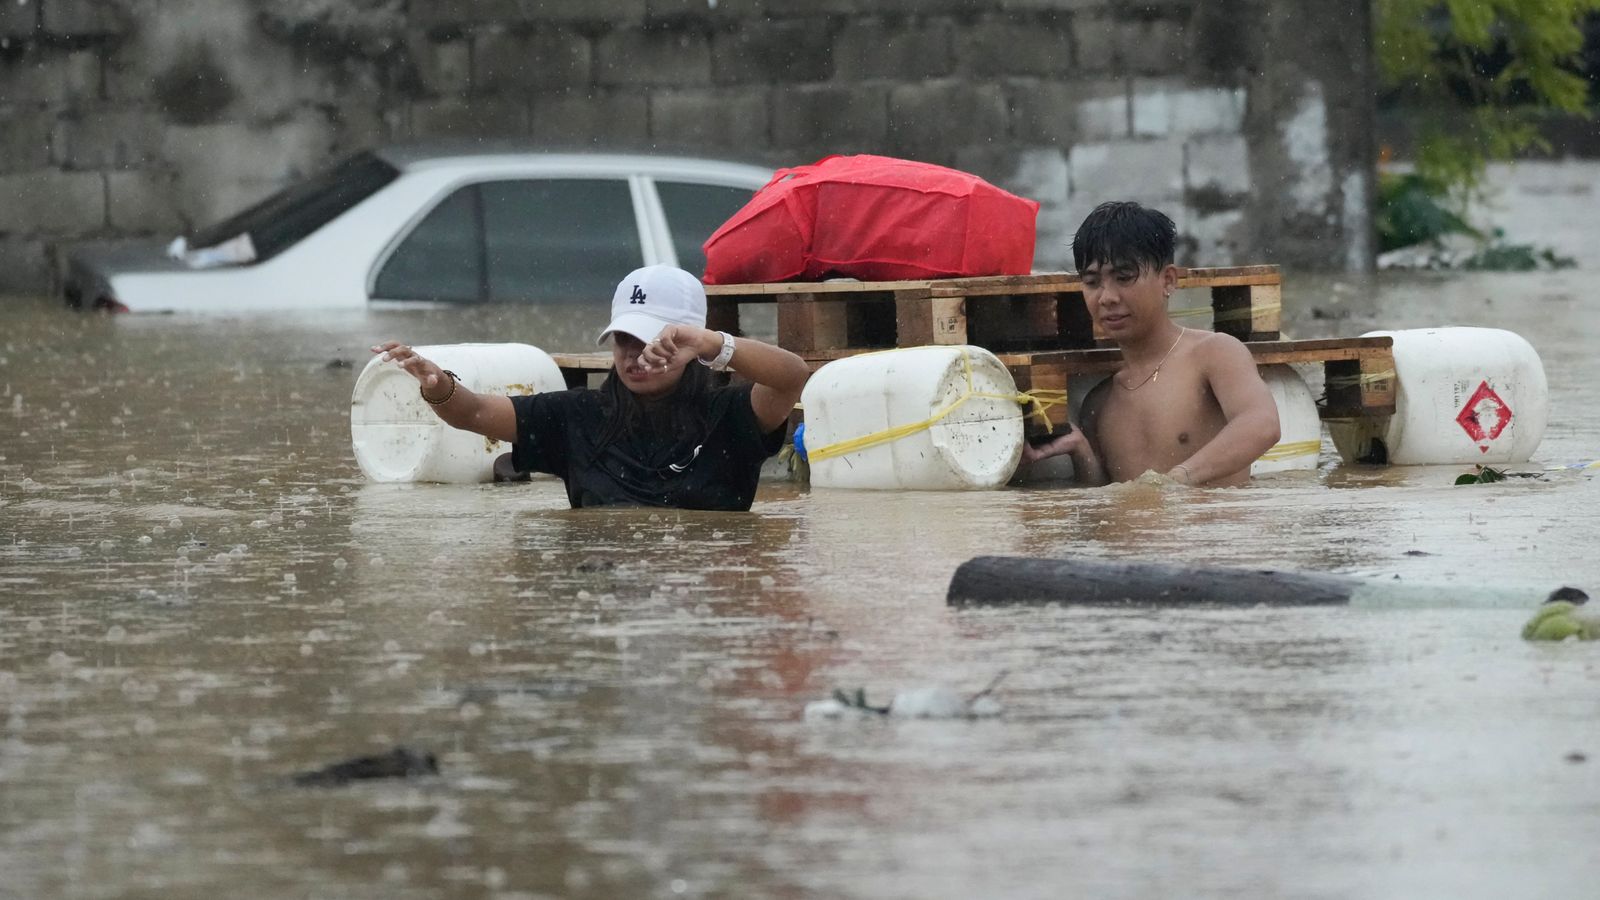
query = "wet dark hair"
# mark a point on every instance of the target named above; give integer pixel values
(681, 414)
(1124, 233)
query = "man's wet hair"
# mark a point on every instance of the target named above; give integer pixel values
(1124, 233)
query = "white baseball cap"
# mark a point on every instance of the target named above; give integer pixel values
(652, 298)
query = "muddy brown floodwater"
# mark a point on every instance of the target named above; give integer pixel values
(203, 596)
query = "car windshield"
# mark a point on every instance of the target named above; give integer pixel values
(278, 222)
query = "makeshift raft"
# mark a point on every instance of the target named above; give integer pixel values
(1038, 326)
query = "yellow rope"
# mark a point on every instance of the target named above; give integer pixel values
(1041, 400)
(1291, 450)
(1363, 380)
(1232, 315)
(1247, 312)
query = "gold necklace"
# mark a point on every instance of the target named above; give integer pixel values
(1157, 370)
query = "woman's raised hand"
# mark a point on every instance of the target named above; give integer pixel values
(676, 344)
(426, 371)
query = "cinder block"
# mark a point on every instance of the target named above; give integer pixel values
(772, 53)
(1220, 163)
(224, 167)
(1103, 112)
(1043, 175)
(1163, 107)
(40, 77)
(1116, 170)
(714, 11)
(872, 48)
(452, 15)
(25, 139)
(19, 19)
(25, 268)
(84, 18)
(592, 118)
(874, 7)
(505, 63)
(48, 201)
(675, 58)
(1154, 46)
(996, 46)
(480, 117)
(143, 203)
(1094, 40)
(612, 13)
(1220, 239)
(728, 118)
(830, 118)
(444, 67)
(1041, 111)
(938, 116)
(106, 138)
(1058, 5)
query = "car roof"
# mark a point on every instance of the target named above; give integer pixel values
(479, 155)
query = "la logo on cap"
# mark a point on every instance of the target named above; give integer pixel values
(637, 296)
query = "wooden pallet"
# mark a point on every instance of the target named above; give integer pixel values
(1358, 372)
(1002, 313)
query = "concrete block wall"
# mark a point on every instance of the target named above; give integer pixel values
(1248, 121)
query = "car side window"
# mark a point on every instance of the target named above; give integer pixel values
(558, 239)
(442, 258)
(693, 212)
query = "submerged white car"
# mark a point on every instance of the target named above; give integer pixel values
(409, 225)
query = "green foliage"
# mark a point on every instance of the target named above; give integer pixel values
(1502, 257)
(1411, 210)
(1484, 475)
(1431, 50)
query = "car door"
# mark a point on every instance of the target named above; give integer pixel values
(692, 210)
(518, 240)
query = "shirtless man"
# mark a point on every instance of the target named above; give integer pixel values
(1188, 404)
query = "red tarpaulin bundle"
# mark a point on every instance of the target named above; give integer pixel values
(874, 218)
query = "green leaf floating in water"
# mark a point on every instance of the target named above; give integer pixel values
(1484, 475)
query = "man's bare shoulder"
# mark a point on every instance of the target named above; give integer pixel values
(1220, 352)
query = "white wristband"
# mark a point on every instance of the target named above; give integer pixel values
(720, 364)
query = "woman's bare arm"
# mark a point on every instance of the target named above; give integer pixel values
(490, 415)
(779, 375)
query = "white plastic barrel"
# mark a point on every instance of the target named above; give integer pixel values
(1464, 395)
(976, 445)
(395, 433)
(1299, 424)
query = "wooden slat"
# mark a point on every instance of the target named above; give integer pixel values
(1265, 353)
(723, 315)
(585, 362)
(805, 327)
(1038, 283)
(921, 320)
(1248, 312)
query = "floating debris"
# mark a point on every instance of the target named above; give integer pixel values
(401, 762)
(931, 702)
(1563, 616)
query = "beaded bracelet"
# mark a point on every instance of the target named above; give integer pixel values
(454, 379)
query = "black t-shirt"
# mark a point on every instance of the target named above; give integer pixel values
(557, 432)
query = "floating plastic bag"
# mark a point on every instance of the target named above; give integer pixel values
(874, 218)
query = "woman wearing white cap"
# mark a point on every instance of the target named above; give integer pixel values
(658, 432)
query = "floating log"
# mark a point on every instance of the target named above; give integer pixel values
(992, 580)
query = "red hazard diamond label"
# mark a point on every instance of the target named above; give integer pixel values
(1484, 416)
